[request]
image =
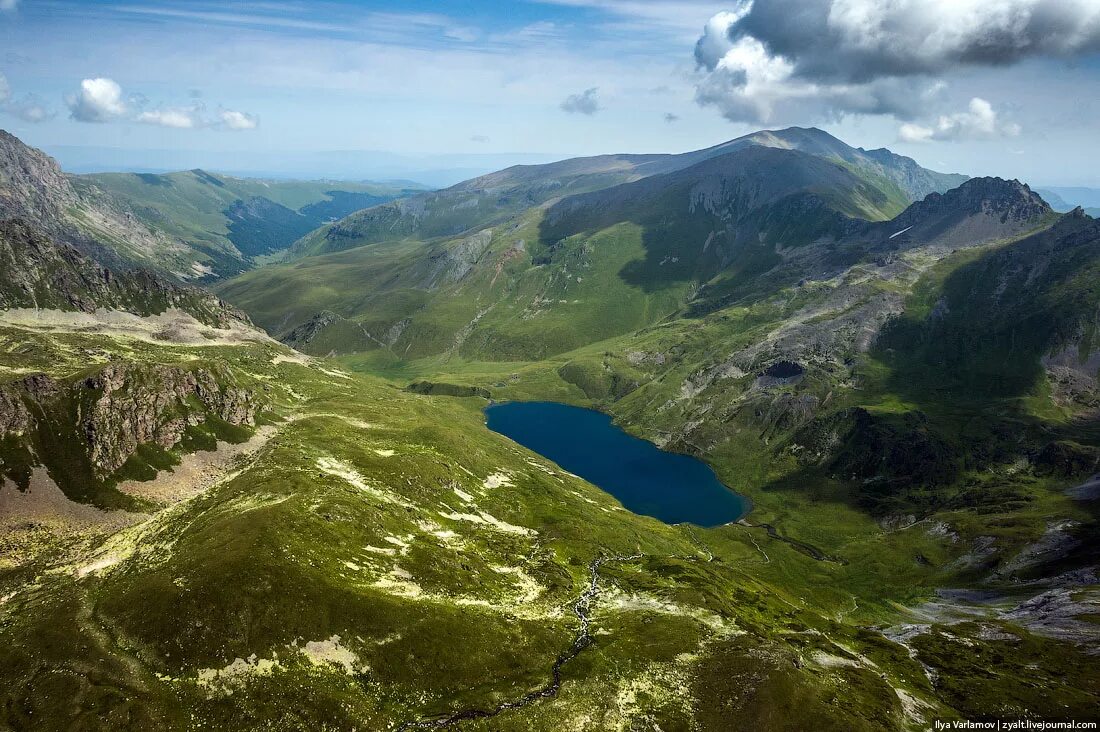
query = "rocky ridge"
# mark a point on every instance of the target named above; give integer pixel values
(42, 273)
(120, 408)
(34, 188)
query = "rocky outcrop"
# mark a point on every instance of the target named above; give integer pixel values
(124, 406)
(979, 211)
(308, 331)
(14, 417)
(154, 405)
(43, 273)
(34, 188)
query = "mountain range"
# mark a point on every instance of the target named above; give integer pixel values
(189, 225)
(274, 503)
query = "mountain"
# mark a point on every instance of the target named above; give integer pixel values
(229, 222)
(888, 170)
(33, 188)
(184, 225)
(42, 274)
(202, 528)
(497, 197)
(553, 258)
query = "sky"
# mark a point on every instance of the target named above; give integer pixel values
(443, 89)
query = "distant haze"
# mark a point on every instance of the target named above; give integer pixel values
(430, 170)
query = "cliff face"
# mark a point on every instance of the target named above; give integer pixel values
(133, 406)
(115, 411)
(41, 272)
(34, 188)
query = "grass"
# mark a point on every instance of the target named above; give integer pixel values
(226, 221)
(368, 525)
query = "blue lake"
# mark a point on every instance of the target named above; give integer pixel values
(646, 480)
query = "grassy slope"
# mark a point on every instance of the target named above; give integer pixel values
(193, 205)
(994, 410)
(581, 269)
(355, 521)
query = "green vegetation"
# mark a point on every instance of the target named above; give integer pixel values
(228, 222)
(905, 405)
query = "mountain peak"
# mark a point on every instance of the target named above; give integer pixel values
(1003, 194)
(979, 210)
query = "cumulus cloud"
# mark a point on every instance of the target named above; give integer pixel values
(99, 100)
(583, 103)
(232, 120)
(979, 121)
(180, 119)
(102, 100)
(782, 59)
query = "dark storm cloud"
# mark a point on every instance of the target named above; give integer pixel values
(773, 59)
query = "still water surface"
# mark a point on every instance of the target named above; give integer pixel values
(673, 488)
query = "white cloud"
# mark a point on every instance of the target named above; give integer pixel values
(583, 103)
(799, 59)
(29, 108)
(7, 6)
(232, 120)
(99, 100)
(978, 122)
(180, 119)
(193, 118)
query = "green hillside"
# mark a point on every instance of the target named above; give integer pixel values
(230, 221)
(365, 557)
(498, 197)
(557, 275)
(201, 528)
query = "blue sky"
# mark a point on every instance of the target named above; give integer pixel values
(253, 81)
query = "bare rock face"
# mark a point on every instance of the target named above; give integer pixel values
(135, 406)
(14, 417)
(39, 271)
(125, 406)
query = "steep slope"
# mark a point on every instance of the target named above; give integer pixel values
(184, 225)
(980, 211)
(498, 197)
(228, 221)
(33, 188)
(42, 274)
(571, 271)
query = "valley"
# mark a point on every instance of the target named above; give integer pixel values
(276, 504)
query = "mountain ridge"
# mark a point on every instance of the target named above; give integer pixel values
(733, 222)
(501, 195)
(41, 273)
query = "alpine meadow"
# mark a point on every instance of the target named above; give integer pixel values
(353, 378)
